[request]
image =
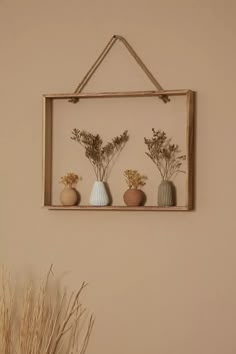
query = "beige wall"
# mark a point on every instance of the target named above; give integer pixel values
(159, 282)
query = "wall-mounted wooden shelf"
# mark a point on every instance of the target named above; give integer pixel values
(48, 101)
(52, 101)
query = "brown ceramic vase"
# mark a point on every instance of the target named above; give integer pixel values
(133, 197)
(69, 196)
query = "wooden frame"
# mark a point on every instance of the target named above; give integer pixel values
(48, 153)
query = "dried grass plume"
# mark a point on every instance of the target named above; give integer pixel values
(41, 319)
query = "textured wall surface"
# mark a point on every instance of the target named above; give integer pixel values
(159, 282)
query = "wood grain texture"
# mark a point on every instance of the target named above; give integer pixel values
(117, 94)
(118, 208)
(47, 150)
(190, 148)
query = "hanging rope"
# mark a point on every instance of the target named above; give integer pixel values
(102, 56)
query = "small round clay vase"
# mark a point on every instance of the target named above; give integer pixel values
(69, 196)
(133, 197)
(165, 194)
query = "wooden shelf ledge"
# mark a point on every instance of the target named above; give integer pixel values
(117, 208)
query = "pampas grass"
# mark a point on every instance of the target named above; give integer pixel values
(40, 319)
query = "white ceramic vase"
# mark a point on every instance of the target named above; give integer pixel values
(99, 196)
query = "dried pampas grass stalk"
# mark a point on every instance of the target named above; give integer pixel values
(42, 320)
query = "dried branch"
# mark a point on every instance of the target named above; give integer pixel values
(98, 155)
(134, 179)
(164, 154)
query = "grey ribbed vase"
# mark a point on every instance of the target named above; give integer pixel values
(165, 194)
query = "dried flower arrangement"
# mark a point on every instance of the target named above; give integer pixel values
(164, 155)
(69, 179)
(42, 321)
(134, 179)
(98, 155)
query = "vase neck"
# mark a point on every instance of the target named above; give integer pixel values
(99, 182)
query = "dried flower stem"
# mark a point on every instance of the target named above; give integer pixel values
(98, 155)
(69, 179)
(164, 155)
(134, 179)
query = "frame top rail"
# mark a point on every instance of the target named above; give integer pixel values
(118, 94)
